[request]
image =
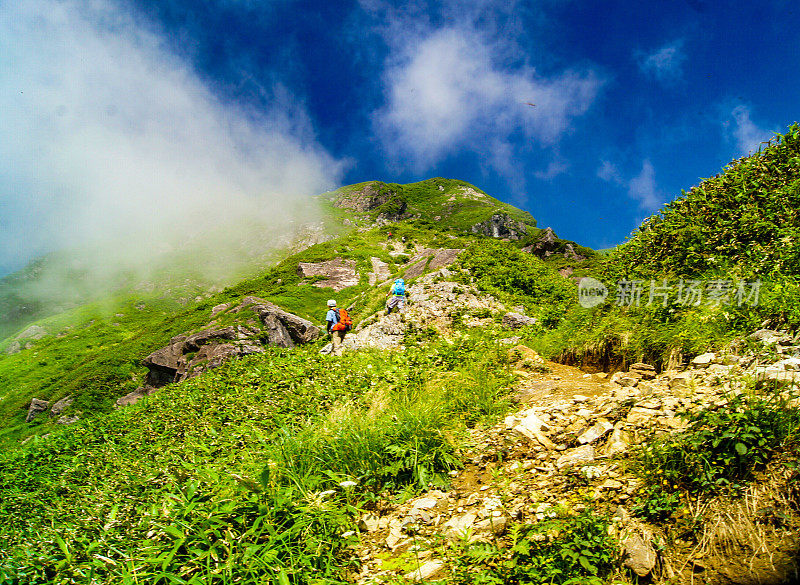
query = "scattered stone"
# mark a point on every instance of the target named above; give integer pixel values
(36, 408)
(600, 429)
(369, 523)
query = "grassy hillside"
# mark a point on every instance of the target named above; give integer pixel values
(735, 229)
(450, 204)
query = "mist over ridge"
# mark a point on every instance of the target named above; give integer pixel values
(113, 148)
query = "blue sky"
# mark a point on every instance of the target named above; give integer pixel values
(119, 115)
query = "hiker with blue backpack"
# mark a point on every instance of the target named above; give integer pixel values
(397, 296)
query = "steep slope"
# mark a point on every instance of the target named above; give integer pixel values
(743, 222)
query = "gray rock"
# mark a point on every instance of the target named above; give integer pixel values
(60, 406)
(704, 359)
(640, 556)
(337, 273)
(500, 225)
(577, 456)
(277, 334)
(517, 321)
(36, 408)
(300, 330)
(13, 348)
(217, 309)
(600, 429)
(33, 332)
(67, 419)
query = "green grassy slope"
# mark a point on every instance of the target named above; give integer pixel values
(740, 227)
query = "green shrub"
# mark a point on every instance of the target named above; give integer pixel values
(565, 550)
(722, 446)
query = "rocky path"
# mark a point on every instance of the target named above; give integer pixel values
(567, 447)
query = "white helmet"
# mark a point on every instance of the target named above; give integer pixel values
(331, 303)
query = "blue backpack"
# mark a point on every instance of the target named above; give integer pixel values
(399, 288)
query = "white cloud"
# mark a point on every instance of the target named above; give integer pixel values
(743, 132)
(609, 172)
(641, 188)
(447, 92)
(554, 168)
(105, 132)
(665, 64)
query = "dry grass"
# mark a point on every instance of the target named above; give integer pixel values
(752, 539)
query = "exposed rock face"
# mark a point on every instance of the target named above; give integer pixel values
(430, 259)
(60, 406)
(187, 356)
(14, 347)
(380, 271)
(430, 304)
(501, 226)
(368, 198)
(33, 332)
(36, 408)
(545, 246)
(517, 320)
(336, 274)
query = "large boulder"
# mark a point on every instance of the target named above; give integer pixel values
(187, 356)
(336, 274)
(300, 330)
(36, 408)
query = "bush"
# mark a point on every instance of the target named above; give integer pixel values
(564, 550)
(723, 446)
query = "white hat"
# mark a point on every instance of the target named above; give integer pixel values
(331, 303)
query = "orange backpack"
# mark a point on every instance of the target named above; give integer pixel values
(344, 323)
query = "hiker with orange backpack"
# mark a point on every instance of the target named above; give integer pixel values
(339, 323)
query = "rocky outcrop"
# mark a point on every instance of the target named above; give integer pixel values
(33, 332)
(188, 356)
(427, 259)
(517, 320)
(336, 274)
(546, 244)
(432, 302)
(500, 225)
(380, 271)
(369, 197)
(59, 407)
(36, 408)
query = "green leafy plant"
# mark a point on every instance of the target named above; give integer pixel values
(563, 550)
(722, 446)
